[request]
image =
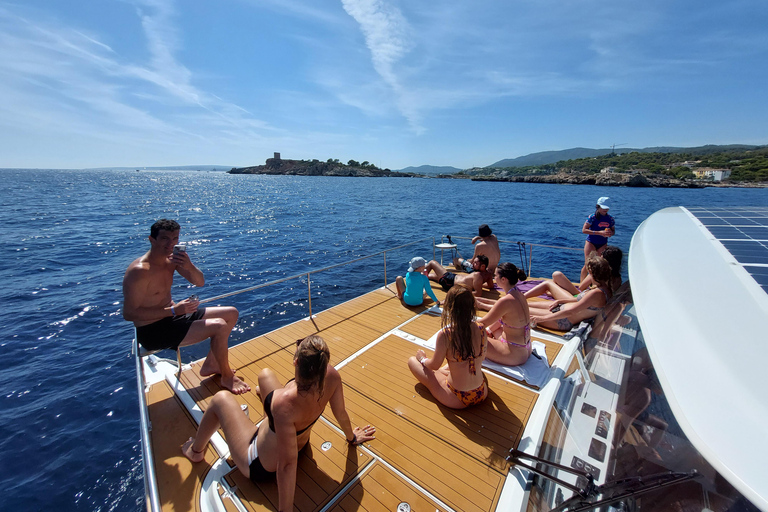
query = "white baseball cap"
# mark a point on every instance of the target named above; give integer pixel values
(417, 262)
(603, 203)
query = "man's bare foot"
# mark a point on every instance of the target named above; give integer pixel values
(210, 367)
(190, 452)
(236, 385)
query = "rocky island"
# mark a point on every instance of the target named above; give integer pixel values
(331, 167)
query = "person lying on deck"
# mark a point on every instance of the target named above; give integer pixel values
(563, 313)
(508, 321)
(474, 281)
(463, 343)
(559, 285)
(272, 448)
(411, 289)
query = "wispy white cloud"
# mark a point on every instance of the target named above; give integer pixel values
(95, 42)
(53, 73)
(387, 36)
(162, 39)
(57, 79)
(453, 55)
(313, 10)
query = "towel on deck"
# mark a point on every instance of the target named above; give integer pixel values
(582, 330)
(534, 371)
(524, 286)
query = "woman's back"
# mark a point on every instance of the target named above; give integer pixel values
(296, 406)
(463, 343)
(515, 317)
(301, 408)
(466, 372)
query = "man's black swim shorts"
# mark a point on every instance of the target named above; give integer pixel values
(447, 280)
(168, 332)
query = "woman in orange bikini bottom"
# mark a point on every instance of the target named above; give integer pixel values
(471, 397)
(460, 383)
(477, 395)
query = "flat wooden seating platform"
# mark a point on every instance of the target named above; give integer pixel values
(380, 488)
(367, 318)
(179, 480)
(552, 348)
(321, 474)
(424, 326)
(264, 354)
(424, 454)
(457, 455)
(553, 332)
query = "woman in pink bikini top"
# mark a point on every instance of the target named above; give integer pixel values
(508, 322)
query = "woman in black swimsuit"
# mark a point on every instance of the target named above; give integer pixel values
(272, 448)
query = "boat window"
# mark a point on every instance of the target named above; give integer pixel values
(610, 419)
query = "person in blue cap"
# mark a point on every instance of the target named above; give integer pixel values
(411, 289)
(598, 227)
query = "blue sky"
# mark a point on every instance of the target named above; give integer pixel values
(393, 82)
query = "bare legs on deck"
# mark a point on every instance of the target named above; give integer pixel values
(216, 324)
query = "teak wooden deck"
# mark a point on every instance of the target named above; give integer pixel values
(424, 454)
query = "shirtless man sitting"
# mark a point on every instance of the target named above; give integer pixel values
(486, 244)
(162, 323)
(474, 281)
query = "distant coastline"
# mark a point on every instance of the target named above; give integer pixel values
(612, 180)
(736, 166)
(286, 167)
(664, 167)
(705, 166)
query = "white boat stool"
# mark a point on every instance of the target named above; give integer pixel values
(443, 247)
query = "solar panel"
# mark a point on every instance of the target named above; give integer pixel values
(743, 231)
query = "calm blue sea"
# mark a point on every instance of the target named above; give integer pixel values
(69, 435)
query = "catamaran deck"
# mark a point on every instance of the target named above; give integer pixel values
(424, 455)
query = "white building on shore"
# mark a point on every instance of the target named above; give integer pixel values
(713, 174)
